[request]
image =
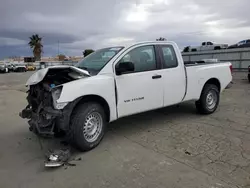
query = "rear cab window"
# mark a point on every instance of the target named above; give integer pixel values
(169, 59)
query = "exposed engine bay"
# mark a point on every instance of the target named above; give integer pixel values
(61, 76)
(41, 109)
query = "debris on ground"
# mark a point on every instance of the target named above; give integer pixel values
(58, 158)
(79, 159)
(187, 152)
(64, 142)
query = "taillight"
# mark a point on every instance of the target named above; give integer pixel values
(231, 68)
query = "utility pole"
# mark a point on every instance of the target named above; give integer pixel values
(58, 48)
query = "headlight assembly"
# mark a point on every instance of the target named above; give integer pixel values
(56, 93)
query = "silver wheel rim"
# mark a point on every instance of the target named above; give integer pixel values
(92, 126)
(211, 99)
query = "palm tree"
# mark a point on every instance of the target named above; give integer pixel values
(36, 44)
(87, 52)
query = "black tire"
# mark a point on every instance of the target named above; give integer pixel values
(76, 135)
(202, 104)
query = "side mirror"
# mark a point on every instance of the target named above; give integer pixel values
(124, 67)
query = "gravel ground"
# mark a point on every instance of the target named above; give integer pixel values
(172, 147)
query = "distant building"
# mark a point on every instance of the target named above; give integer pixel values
(29, 59)
(18, 59)
(43, 59)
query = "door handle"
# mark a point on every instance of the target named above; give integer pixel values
(156, 76)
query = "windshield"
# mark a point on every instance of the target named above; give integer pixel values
(94, 62)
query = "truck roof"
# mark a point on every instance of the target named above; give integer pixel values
(140, 43)
(149, 42)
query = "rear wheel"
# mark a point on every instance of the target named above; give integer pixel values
(217, 48)
(88, 125)
(209, 99)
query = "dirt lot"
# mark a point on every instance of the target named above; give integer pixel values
(172, 147)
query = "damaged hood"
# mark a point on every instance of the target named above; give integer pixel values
(40, 74)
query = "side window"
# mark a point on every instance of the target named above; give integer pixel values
(203, 44)
(242, 42)
(248, 41)
(169, 57)
(209, 43)
(143, 58)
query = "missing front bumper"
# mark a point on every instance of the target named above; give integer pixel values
(42, 122)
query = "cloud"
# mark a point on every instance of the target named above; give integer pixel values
(81, 24)
(11, 42)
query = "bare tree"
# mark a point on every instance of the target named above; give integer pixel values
(161, 39)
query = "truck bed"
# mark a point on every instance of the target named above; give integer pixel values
(197, 73)
(202, 62)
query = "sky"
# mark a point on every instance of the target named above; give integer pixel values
(84, 24)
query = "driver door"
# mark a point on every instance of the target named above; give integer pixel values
(142, 89)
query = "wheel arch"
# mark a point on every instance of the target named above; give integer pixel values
(214, 81)
(93, 98)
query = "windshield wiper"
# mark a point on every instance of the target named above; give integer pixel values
(84, 68)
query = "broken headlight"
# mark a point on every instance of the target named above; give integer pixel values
(56, 93)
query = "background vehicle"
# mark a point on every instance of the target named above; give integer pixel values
(19, 67)
(3, 68)
(10, 67)
(249, 73)
(116, 82)
(205, 46)
(42, 65)
(30, 67)
(241, 44)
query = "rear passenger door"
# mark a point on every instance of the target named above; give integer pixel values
(173, 74)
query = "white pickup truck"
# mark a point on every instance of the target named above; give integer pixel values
(115, 82)
(206, 46)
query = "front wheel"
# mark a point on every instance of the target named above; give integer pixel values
(209, 100)
(88, 125)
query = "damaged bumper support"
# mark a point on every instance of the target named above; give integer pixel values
(43, 122)
(46, 121)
